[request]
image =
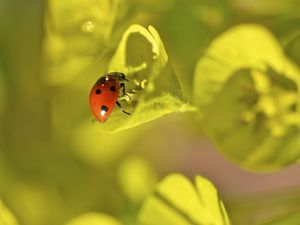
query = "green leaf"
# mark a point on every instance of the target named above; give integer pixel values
(77, 33)
(177, 201)
(247, 93)
(153, 86)
(94, 218)
(6, 217)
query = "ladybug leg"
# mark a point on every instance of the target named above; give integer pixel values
(124, 91)
(118, 104)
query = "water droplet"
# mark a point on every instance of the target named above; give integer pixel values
(88, 27)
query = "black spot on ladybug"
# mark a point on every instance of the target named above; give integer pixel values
(98, 91)
(104, 108)
(112, 88)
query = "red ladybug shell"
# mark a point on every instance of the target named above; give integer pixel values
(103, 96)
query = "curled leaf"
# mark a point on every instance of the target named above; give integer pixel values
(248, 95)
(153, 86)
(177, 201)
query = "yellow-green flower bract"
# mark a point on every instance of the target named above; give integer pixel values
(248, 95)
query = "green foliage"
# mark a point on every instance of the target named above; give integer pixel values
(55, 163)
(248, 95)
(6, 217)
(142, 57)
(177, 201)
(77, 33)
(93, 218)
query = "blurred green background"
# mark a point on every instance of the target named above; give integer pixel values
(55, 164)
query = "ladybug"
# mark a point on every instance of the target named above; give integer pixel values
(104, 95)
